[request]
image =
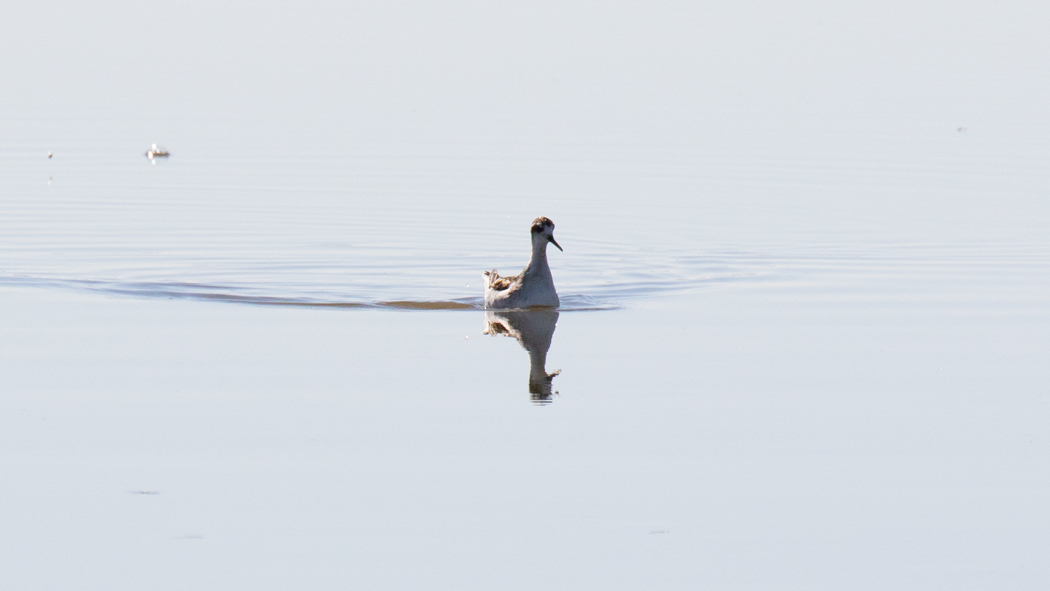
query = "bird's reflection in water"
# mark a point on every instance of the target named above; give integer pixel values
(534, 329)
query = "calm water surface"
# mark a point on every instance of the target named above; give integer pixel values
(806, 294)
(366, 231)
(796, 370)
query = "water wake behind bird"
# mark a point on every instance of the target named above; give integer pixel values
(595, 277)
(255, 296)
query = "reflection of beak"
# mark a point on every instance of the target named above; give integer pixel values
(555, 242)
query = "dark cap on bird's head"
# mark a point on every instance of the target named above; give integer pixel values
(541, 223)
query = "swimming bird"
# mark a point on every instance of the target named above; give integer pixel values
(532, 287)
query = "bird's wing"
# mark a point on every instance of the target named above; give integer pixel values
(497, 283)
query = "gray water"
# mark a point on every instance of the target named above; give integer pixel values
(805, 322)
(362, 231)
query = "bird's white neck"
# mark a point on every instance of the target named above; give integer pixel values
(539, 253)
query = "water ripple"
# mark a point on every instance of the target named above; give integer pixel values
(591, 280)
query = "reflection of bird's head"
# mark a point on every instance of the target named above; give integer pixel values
(540, 386)
(543, 230)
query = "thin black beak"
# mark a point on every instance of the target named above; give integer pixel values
(550, 237)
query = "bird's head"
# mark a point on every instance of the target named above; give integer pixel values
(543, 230)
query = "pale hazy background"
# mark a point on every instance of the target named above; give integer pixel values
(352, 75)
